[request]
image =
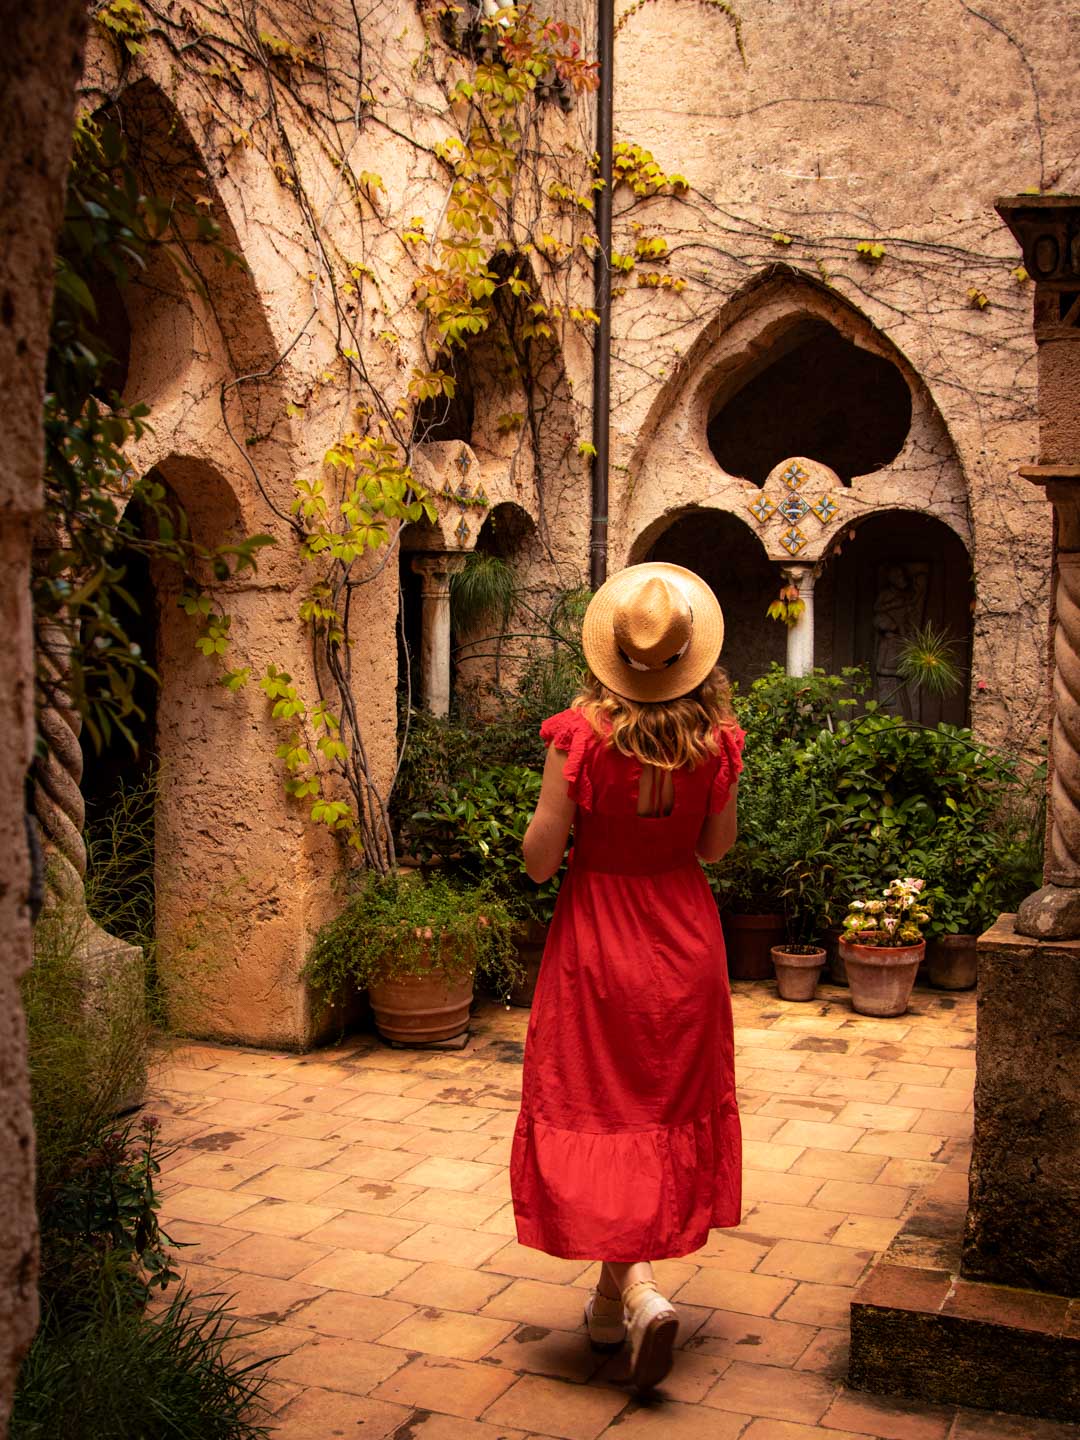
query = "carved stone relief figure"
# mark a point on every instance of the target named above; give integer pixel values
(899, 610)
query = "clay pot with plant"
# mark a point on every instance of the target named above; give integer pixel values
(883, 945)
(806, 893)
(416, 945)
(780, 826)
(474, 829)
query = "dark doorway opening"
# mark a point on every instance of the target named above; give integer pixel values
(902, 571)
(816, 394)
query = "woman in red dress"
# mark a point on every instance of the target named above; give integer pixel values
(628, 1147)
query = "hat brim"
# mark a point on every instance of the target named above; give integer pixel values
(687, 673)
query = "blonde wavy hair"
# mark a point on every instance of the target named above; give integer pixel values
(670, 734)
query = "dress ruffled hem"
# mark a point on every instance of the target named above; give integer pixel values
(626, 1195)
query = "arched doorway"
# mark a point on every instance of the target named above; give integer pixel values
(727, 554)
(898, 571)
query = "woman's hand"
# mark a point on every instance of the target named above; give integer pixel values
(549, 829)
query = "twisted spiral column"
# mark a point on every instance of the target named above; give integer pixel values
(58, 801)
(1063, 843)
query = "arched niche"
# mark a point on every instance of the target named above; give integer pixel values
(204, 286)
(721, 548)
(512, 403)
(888, 576)
(810, 390)
(173, 727)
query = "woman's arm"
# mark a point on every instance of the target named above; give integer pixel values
(719, 831)
(549, 828)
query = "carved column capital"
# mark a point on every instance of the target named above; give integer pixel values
(436, 570)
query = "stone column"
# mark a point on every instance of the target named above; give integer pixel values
(112, 971)
(435, 571)
(1021, 1227)
(800, 636)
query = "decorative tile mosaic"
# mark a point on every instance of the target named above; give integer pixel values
(793, 508)
(794, 476)
(463, 492)
(462, 532)
(761, 508)
(793, 540)
(481, 496)
(826, 509)
(463, 462)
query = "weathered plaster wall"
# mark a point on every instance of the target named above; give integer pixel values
(40, 64)
(849, 122)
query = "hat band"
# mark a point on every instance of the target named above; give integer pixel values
(664, 664)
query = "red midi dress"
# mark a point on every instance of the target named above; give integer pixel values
(628, 1146)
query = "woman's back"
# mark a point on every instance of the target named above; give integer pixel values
(632, 818)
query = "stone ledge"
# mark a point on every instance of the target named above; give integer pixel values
(919, 1328)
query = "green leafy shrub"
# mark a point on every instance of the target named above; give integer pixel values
(390, 923)
(102, 1243)
(88, 1035)
(477, 828)
(931, 801)
(123, 1375)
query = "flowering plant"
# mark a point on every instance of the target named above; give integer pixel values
(893, 920)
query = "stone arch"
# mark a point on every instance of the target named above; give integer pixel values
(773, 318)
(513, 410)
(723, 548)
(810, 391)
(886, 576)
(170, 164)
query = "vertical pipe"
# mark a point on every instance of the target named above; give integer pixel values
(598, 531)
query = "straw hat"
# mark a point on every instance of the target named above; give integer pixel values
(653, 632)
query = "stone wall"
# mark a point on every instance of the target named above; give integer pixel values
(38, 70)
(837, 126)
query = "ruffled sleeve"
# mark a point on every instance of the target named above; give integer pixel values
(570, 731)
(729, 764)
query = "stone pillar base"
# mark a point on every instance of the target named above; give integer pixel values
(919, 1328)
(1022, 1226)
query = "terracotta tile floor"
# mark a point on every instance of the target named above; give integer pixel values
(355, 1204)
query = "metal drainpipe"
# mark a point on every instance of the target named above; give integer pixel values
(598, 533)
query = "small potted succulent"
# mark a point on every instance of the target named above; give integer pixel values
(416, 945)
(882, 946)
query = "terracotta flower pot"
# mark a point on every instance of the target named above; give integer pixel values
(530, 947)
(881, 976)
(420, 1009)
(952, 962)
(797, 971)
(748, 940)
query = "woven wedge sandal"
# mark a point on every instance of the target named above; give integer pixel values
(606, 1322)
(653, 1326)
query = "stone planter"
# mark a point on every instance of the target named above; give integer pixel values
(952, 962)
(881, 976)
(748, 940)
(797, 970)
(423, 1009)
(530, 947)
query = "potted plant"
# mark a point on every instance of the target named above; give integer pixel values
(807, 892)
(765, 883)
(416, 944)
(474, 829)
(883, 945)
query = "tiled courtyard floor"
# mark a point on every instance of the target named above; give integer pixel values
(355, 1202)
